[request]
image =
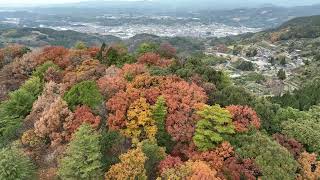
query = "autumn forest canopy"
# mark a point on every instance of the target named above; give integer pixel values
(109, 113)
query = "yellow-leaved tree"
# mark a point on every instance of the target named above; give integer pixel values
(130, 167)
(140, 124)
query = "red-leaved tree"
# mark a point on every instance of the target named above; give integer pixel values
(82, 114)
(244, 117)
(153, 59)
(181, 98)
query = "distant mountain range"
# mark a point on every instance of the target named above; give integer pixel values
(188, 4)
(266, 16)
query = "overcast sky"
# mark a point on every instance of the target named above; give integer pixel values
(33, 2)
(47, 2)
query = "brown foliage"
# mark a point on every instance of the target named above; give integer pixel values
(56, 54)
(50, 93)
(118, 106)
(50, 125)
(76, 56)
(237, 169)
(243, 117)
(132, 70)
(47, 174)
(31, 140)
(15, 73)
(121, 50)
(292, 145)
(112, 71)
(120, 102)
(109, 86)
(167, 50)
(112, 82)
(53, 75)
(93, 51)
(215, 158)
(149, 58)
(201, 170)
(9, 53)
(88, 70)
(275, 36)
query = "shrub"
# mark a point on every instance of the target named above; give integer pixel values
(281, 74)
(245, 66)
(147, 47)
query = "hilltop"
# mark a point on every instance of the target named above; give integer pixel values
(302, 27)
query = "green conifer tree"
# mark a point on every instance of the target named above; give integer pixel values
(159, 113)
(83, 156)
(84, 93)
(14, 165)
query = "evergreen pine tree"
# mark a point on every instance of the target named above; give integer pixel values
(159, 113)
(14, 165)
(82, 159)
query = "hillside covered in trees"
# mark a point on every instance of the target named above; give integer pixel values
(110, 113)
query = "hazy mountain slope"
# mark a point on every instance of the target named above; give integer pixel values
(36, 37)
